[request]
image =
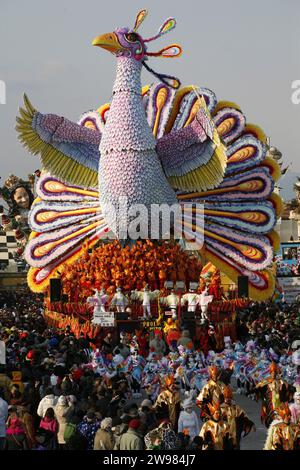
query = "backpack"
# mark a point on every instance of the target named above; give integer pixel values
(70, 430)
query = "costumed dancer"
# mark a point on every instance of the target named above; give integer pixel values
(273, 391)
(182, 379)
(188, 422)
(236, 418)
(119, 300)
(211, 392)
(151, 379)
(146, 296)
(135, 366)
(284, 435)
(215, 432)
(167, 405)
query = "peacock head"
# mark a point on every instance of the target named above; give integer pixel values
(126, 42)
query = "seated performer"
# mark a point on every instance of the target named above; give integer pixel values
(273, 391)
(283, 435)
(215, 432)
(236, 418)
(211, 392)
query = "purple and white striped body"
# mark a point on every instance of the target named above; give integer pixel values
(129, 165)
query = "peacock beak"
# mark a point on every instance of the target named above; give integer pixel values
(108, 41)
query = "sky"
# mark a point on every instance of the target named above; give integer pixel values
(246, 52)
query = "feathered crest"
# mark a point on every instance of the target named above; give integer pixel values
(166, 27)
(140, 17)
(171, 51)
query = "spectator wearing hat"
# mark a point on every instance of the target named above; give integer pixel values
(104, 438)
(188, 422)
(132, 439)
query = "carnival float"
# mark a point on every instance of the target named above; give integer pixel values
(161, 144)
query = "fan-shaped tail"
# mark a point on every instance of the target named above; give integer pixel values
(240, 213)
(63, 219)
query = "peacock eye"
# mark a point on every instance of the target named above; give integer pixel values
(132, 37)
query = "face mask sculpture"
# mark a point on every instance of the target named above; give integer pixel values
(18, 195)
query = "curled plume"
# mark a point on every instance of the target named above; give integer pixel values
(171, 51)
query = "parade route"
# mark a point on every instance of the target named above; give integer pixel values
(254, 440)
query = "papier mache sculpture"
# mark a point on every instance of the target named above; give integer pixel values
(146, 297)
(98, 301)
(172, 301)
(159, 144)
(18, 195)
(204, 300)
(119, 300)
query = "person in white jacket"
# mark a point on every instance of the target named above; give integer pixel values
(188, 420)
(49, 401)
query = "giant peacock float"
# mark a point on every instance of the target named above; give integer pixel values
(157, 144)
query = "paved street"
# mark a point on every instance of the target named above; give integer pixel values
(254, 440)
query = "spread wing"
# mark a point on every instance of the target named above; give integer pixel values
(193, 157)
(68, 150)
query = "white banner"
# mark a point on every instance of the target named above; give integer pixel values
(104, 319)
(2, 353)
(290, 287)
